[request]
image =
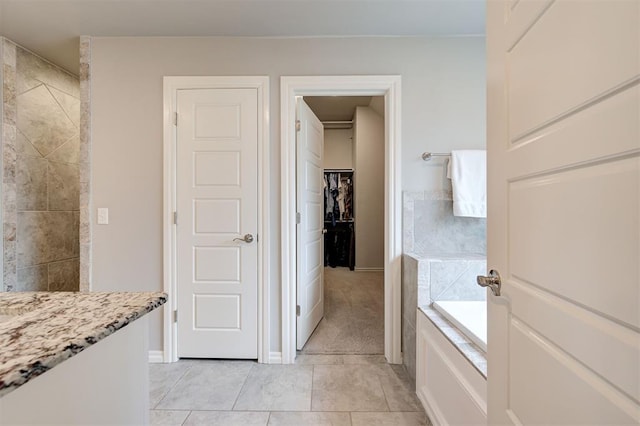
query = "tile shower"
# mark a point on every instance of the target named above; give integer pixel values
(443, 255)
(40, 187)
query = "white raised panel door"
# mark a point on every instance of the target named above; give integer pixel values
(217, 205)
(564, 211)
(310, 205)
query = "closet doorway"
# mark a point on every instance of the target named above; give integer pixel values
(342, 298)
(389, 86)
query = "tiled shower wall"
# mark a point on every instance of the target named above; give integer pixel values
(41, 176)
(457, 245)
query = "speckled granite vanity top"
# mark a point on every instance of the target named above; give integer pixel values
(39, 330)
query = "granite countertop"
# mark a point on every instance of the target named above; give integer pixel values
(39, 330)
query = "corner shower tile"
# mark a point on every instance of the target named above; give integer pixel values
(9, 231)
(45, 237)
(69, 152)
(70, 105)
(9, 276)
(9, 203)
(33, 278)
(24, 147)
(9, 81)
(42, 121)
(85, 268)
(10, 251)
(31, 184)
(63, 187)
(9, 153)
(32, 240)
(33, 70)
(8, 52)
(64, 276)
(276, 388)
(76, 233)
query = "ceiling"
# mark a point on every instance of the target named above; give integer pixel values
(336, 108)
(51, 28)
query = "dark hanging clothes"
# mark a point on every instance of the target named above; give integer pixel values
(339, 246)
(339, 240)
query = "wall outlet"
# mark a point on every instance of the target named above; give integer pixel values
(103, 216)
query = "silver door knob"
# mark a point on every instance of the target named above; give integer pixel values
(248, 238)
(492, 281)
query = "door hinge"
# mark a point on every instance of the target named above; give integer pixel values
(175, 118)
(175, 316)
(298, 218)
(175, 218)
(297, 125)
(297, 310)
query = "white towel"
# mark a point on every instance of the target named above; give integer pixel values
(467, 170)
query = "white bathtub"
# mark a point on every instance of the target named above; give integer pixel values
(470, 317)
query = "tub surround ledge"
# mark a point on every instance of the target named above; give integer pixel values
(472, 352)
(39, 330)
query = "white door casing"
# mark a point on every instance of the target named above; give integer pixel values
(388, 86)
(172, 85)
(564, 211)
(310, 205)
(217, 190)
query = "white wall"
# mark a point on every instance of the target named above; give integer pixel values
(443, 107)
(369, 188)
(338, 147)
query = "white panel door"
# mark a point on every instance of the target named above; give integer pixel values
(564, 211)
(217, 194)
(310, 240)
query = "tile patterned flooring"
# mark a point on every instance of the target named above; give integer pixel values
(317, 390)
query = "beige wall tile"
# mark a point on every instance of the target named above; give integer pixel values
(33, 278)
(34, 71)
(24, 147)
(63, 187)
(69, 104)
(68, 153)
(64, 276)
(41, 119)
(47, 237)
(31, 184)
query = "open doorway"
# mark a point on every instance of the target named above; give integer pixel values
(352, 223)
(389, 87)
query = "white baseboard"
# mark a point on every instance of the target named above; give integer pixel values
(374, 269)
(156, 357)
(275, 357)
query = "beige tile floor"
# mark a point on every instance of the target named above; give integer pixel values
(317, 390)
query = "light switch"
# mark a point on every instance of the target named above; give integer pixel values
(103, 216)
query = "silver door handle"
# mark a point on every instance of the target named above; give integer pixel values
(248, 238)
(493, 281)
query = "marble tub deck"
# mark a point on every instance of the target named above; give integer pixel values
(39, 330)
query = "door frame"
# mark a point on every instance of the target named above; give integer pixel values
(388, 86)
(171, 85)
